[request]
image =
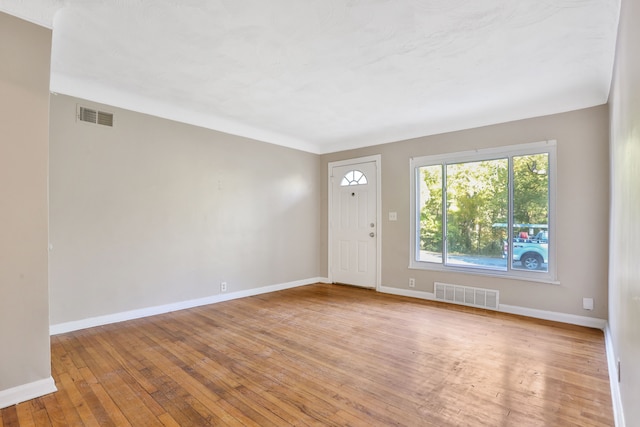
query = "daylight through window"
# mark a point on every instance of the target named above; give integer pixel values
(353, 177)
(489, 211)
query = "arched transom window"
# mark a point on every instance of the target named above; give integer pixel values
(353, 177)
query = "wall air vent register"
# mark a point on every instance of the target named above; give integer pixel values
(466, 295)
(90, 115)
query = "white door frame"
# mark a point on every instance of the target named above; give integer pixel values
(377, 158)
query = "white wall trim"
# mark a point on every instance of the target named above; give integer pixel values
(408, 293)
(24, 392)
(75, 325)
(590, 322)
(618, 413)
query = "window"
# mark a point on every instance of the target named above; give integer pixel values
(487, 211)
(353, 177)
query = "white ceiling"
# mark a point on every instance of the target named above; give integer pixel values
(328, 75)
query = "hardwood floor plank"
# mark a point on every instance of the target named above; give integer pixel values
(25, 416)
(62, 412)
(102, 406)
(326, 355)
(302, 379)
(219, 379)
(234, 357)
(10, 417)
(205, 392)
(116, 381)
(76, 398)
(168, 421)
(40, 414)
(384, 391)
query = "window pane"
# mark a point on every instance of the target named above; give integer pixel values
(354, 177)
(531, 212)
(430, 208)
(477, 206)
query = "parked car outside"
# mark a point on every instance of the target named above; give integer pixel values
(532, 253)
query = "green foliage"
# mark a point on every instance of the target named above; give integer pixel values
(431, 211)
(531, 189)
(477, 200)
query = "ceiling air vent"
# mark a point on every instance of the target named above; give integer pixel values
(90, 115)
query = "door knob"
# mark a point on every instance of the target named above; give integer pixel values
(371, 234)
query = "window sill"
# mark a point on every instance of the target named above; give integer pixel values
(538, 278)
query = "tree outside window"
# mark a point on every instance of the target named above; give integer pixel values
(465, 211)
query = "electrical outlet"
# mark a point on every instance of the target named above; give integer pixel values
(587, 303)
(412, 282)
(223, 286)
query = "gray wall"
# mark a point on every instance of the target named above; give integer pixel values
(582, 213)
(25, 51)
(624, 277)
(153, 212)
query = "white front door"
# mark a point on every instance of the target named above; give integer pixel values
(353, 223)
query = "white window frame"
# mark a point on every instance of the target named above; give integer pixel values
(549, 146)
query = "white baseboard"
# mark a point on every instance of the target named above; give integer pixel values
(76, 325)
(589, 322)
(407, 293)
(612, 362)
(24, 392)
(573, 319)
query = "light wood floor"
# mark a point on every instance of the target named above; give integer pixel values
(326, 355)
